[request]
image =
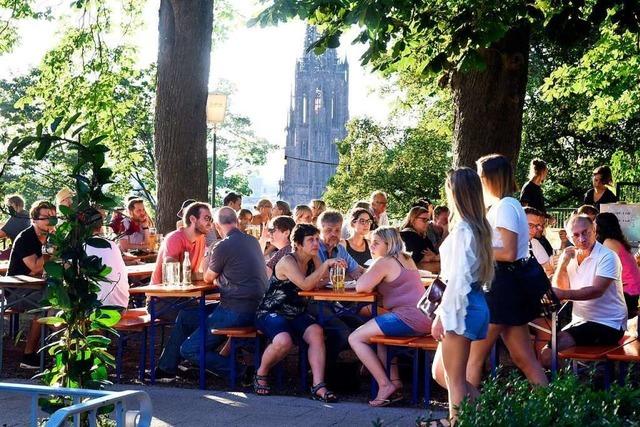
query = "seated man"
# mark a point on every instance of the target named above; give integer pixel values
(18, 221)
(536, 219)
(338, 329)
(438, 228)
(27, 259)
(188, 238)
(136, 227)
(589, 275)
(238, 266)
(233, 200)
(114, 291)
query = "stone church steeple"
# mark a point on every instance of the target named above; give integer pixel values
(317, 117)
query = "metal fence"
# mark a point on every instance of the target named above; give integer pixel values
(86, 404)
(628, 192)
(560, 216)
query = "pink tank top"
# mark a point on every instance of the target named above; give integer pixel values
(401, 295)
(630, 272)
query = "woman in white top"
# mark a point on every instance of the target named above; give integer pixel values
(511, 305)
(466, 263)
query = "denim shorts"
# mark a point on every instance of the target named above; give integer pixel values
(476, 321)
(391, 325)
(272, 324)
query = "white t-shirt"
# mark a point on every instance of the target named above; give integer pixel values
(115, 291)
(508, 214)
(383, 219)
(539, 252)
(609, 309)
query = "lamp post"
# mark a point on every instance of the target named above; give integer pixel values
(216, 109)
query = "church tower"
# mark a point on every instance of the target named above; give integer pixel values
(317, 117)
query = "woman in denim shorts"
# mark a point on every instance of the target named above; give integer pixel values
(466, 263)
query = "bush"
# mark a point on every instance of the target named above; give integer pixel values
(566, 401)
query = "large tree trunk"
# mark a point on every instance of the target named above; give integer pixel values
(489, 104)
(184, 53)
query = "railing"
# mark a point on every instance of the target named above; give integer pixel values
(87, 403)
(561, 215)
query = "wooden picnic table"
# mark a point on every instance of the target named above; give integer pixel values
(140, 271)
(349, 295)
(199, 290)
(26, 282)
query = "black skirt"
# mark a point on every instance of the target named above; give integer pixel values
(512, 301)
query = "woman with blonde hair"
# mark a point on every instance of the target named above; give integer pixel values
(467, 263)
(317, 207)
(511, 304)
(396, 278)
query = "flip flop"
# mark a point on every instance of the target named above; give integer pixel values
(379, 403)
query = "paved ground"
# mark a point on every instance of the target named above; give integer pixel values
(193, 408)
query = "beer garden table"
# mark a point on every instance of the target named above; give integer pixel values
(196, 291)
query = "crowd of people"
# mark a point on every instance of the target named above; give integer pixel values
(484, 241)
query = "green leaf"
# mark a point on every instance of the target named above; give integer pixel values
(54, 321)
(70, 123)
(79, 129)
(54, 269)
(55, 124)
(43, 148)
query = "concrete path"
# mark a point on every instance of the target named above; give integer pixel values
(194, 408)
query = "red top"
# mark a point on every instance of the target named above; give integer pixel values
(174, 246)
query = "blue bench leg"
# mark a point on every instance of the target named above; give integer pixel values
(232, 363)
(622, 373)
(427, 378)
(608, 374)
(119, 351)
(303, 350)
(414, 377)
(143, 355)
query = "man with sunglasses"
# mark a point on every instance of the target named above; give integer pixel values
(197, 222)
(27, 259)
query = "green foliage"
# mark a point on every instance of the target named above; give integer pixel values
(512, 401)
(79, 348)
(10, 12)
(407, 164)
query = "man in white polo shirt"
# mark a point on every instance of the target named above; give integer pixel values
(589, 275)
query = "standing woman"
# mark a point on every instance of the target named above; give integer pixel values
(511, 305)
(397, 280)
(531, 194)
(467, 263)
(600, 194)
(609, 233)
(357, 245)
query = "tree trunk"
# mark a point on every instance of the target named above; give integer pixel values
(489, 104)
(184, 53)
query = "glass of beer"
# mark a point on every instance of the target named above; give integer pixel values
(337, 278)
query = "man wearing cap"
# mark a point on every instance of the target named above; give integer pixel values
(27, 259)
(64, 197)
(136, 227)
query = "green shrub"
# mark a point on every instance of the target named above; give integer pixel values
(566, 401)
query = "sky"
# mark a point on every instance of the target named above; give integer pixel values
(260, 62)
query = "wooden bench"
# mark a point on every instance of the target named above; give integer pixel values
(628, 353)
(234, 334)
(133, 321)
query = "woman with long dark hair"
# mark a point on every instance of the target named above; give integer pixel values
(609, 233)
(414, 235)
(511, 305)
(467, 263)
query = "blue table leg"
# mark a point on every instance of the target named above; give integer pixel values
(2, 308)
(203, 338)
(416, 383)
(152, 339)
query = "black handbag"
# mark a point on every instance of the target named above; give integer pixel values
(534, 279)
(432, 298)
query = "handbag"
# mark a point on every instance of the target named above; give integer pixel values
(432, 298)
(533, 277)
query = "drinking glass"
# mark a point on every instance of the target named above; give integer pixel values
(337, 274)
(172, 270)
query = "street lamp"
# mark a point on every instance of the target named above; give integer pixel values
(216, 108)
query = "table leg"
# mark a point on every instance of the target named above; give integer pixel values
(43, 331)
(2, 308)
(152, 339)
(554, 345)
(203, 338)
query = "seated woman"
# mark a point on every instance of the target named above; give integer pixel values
(282, 315)
(609, 233)
(397, 279)
(357, 245)
(302, 214)
(414, 234)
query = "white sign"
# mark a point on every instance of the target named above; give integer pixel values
(629, 217)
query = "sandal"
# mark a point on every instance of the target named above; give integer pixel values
(327, 397)
(379, 403)
(261, 389)
(398, 395)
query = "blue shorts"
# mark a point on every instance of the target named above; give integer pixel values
(476, 321)
(391, 325)
(272, 324)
